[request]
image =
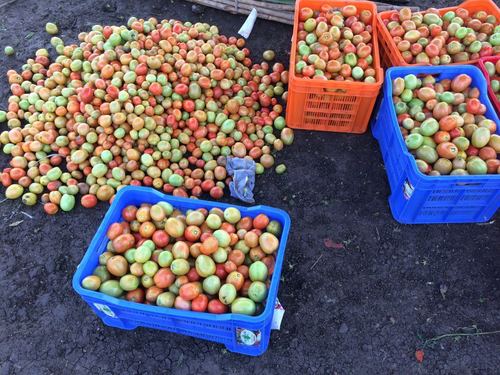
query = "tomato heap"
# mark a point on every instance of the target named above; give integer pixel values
(444, 125)
(215, 261)
(154, 103)
(457, 36)
(335, 44)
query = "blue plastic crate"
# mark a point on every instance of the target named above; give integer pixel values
(225, 328)
(420, 199)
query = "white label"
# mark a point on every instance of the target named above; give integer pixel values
(279, 311)
(408, 189)
(105, 309)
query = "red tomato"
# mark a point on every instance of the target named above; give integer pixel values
(308, 71)
(114, 231)
(200, 303)
(305, 13)
(136, 295)
(220, 271)
(260, 221)
(192, 233)
(129, 212)
(473, 106)
(190, 291)
(164, 278)
(160, 238)
(123, 242)
(193, 275)
(88, 200)
(155, 89)
(209, 245)
(237, 257)
(217, 307)
(236, 279)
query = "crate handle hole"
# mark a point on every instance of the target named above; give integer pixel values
(341, 91)
(469, 184)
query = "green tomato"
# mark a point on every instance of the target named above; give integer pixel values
(220, 256)
(212, 284)
(227, 294)
(147, 281)
(205, 266)
(142, 254)
(150, 268)
(427, 154)
(411, 81)
(166, 299)
(414, 141)
(111, 288)
(129, 282)
(258, 271)
(102, 272)
(67, 202)
(213, 221)
(9, 51)
(257, 291)
(165, 258)
(232, 215)
(180, 266)
(243, 305)
(130, 255)
(51, 28)
(222, 237)
(91, 282)
(429, 127)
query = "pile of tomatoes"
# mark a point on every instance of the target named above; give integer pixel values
(154, 103)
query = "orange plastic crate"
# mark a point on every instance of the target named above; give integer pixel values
(335, 106)
(389, 53)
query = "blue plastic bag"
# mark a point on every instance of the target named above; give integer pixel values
(243, 172)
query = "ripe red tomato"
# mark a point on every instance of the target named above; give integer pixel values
(200, 303)
(217, 307)
(192, 233)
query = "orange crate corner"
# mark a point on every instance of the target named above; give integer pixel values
(335, 106)
(389, 53)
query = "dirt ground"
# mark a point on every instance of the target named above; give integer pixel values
(362, 307)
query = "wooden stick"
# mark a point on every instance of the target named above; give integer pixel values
(272, 11)
(228, 5)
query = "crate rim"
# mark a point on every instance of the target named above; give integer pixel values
(394, 122)
(332, 83)
(172, 312)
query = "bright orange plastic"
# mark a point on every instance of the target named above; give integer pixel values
(389, 53)
(335, 106)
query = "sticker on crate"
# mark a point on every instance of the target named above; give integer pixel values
(247, 337)
(408, 189)
(105, 309)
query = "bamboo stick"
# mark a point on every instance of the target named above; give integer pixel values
(228, 6)
(283, 13)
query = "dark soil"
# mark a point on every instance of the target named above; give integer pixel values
(361, 309)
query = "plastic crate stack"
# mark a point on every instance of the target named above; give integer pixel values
(417, 198)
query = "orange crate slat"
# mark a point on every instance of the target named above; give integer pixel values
(389, 53)
(336, 106)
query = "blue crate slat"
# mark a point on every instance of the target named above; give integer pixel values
(222, 328)
(420, 199)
